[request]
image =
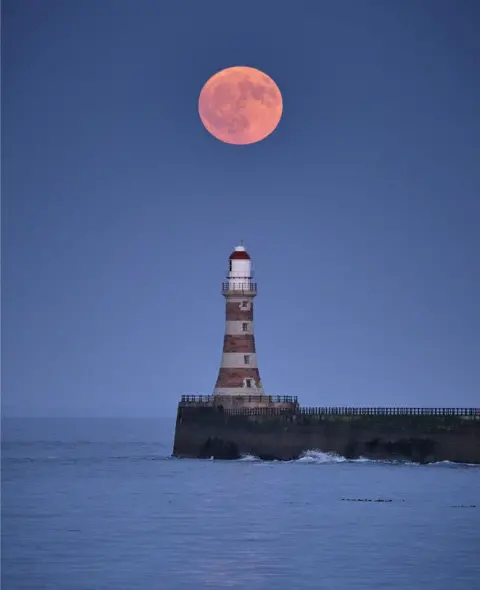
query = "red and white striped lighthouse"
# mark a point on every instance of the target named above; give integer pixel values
(238, 375)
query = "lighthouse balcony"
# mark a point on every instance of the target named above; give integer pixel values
(236, 287)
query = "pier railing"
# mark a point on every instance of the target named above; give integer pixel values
(345, 411)
(332, 411)
(208, 399)
(197, 399)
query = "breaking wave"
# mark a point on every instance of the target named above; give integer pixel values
(324, 458)
(312, 456)
(320, 457)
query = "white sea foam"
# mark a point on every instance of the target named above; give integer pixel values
(313, 456)
(320, 457)
(362, 460)
(317, 457)
(453, 463)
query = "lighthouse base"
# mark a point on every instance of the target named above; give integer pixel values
(254, 401)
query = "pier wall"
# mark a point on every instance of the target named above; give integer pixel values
(206, 431)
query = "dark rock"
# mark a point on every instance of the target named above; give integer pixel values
(465, 506)
(421, 450)
(219, 449)
(350, 450)
(365, 500)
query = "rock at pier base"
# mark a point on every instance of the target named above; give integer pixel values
(219, 449)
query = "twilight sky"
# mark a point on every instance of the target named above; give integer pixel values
(361, 212)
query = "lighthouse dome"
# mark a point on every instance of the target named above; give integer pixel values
(239, 254)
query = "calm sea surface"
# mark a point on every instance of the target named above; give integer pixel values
(99, 504)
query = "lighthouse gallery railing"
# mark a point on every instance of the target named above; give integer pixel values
(239, 287)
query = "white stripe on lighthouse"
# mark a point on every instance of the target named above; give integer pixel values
(239, 360)
(237, 328)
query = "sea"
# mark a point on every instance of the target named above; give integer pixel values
(100, 504)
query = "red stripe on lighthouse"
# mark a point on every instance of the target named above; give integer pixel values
(235, 311)
(243, 343)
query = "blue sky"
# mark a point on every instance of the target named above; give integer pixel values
(119, 211)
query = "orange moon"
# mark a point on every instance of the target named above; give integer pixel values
(240, 105)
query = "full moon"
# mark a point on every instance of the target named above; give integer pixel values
(240, 105)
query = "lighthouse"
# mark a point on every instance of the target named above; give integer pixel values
(239, 375)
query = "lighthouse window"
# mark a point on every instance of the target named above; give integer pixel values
(245, 304)
(249, 382)
(246, 359)
(245, 327)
